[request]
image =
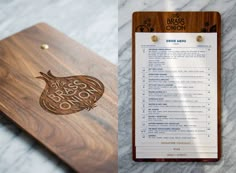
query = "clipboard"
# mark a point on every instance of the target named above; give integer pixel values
(63, 95)
(174, 23)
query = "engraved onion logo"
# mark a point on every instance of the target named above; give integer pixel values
(66, 95)
(175, 22)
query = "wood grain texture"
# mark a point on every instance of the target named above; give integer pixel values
(85, 140)
(178, 22)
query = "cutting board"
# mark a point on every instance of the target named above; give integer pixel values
(63, 95)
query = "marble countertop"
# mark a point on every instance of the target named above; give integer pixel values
(93, 24)
(227, 8)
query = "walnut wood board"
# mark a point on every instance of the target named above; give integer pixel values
(194, 22)
(64, 96)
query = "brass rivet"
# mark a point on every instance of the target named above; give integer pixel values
(44, 46)
(154, 38)
(199, 38)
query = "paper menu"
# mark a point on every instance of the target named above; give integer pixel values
(176, 95)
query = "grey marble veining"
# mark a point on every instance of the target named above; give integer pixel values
(91, 23)
(227, 8)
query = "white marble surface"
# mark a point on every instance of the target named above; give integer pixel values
(227, 8)
(92, 23)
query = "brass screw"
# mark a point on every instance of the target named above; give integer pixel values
(44, 46)
(199, 38)
(154, 38)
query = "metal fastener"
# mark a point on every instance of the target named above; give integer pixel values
(199, 38)
(44, 46)
(154, 38)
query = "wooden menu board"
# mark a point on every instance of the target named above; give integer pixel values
(176, 82)
(63, 95)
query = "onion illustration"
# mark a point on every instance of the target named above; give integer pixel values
(67, 95)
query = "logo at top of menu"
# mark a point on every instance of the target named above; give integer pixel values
(175, 22)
